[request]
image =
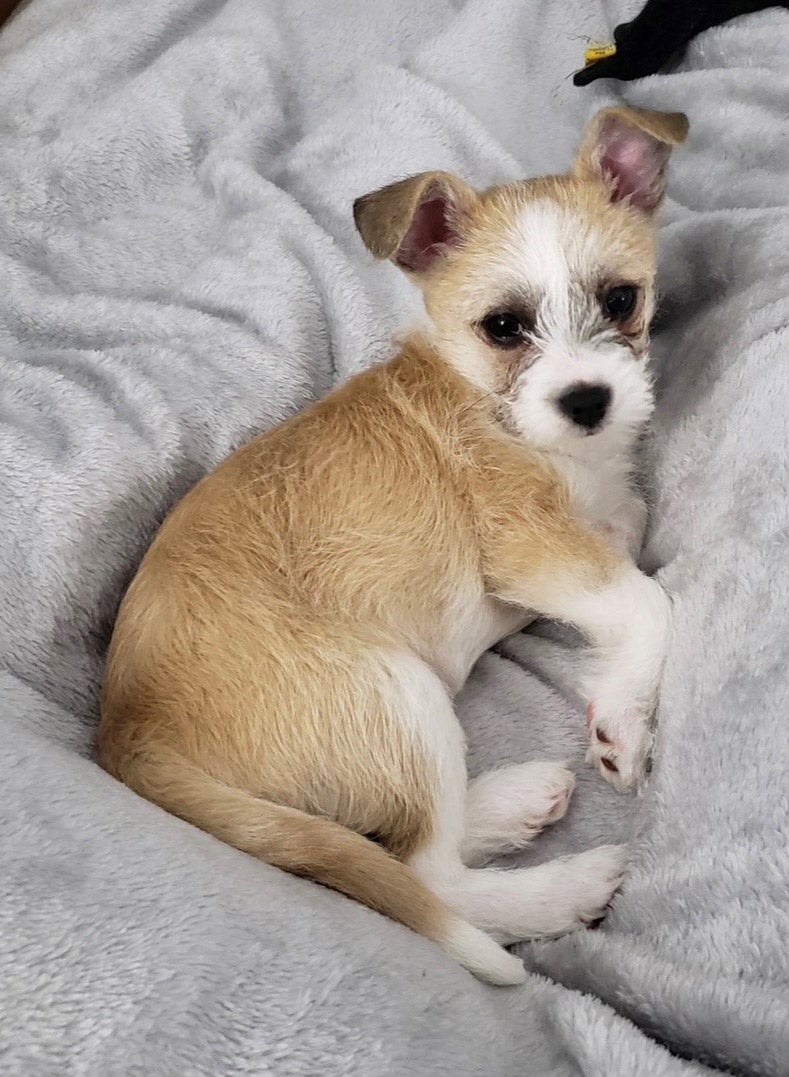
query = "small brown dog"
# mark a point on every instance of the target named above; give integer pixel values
(283, 665)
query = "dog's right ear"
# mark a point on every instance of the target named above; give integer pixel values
(417, 221)
(627, 150)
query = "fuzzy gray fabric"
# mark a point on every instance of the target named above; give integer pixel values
(178, 270)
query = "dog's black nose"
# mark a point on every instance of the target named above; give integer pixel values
(586, 405)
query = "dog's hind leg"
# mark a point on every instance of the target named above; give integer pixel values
(513, 905)
(508, 807)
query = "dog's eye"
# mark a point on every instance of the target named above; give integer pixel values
(619, 302)
(505, 330)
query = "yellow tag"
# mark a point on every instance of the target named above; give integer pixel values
(596, 51)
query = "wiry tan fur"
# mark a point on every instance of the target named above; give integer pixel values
(252, 671)
(245, 662)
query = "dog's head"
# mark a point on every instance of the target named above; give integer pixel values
(541, 292)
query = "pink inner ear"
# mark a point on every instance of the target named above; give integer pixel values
(429, 234)
(636, 162)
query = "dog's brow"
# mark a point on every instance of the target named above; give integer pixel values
(522, 302)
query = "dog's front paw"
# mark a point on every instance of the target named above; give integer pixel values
(620, 741)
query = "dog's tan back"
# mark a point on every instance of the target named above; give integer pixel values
(260, 640)
(252, 637)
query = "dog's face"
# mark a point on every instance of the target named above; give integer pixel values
(541, 292)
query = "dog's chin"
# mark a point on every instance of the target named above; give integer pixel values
(611, 438)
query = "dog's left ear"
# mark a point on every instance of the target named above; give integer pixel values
(417, 221)
(627, 149)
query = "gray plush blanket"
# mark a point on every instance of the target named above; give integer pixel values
(178, 270)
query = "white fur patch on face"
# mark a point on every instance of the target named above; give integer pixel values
(555, 256)
(550, 248)
(535, 410)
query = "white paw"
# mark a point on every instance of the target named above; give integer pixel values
(507, 808)
(620, 741)
(591, 879)
(554, 898)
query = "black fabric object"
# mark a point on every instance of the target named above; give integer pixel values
(663, 29)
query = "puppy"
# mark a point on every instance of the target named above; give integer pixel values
(283, 665)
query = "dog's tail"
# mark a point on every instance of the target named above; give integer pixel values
(318, 849)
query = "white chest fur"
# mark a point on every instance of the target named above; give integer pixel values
(602, 492)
